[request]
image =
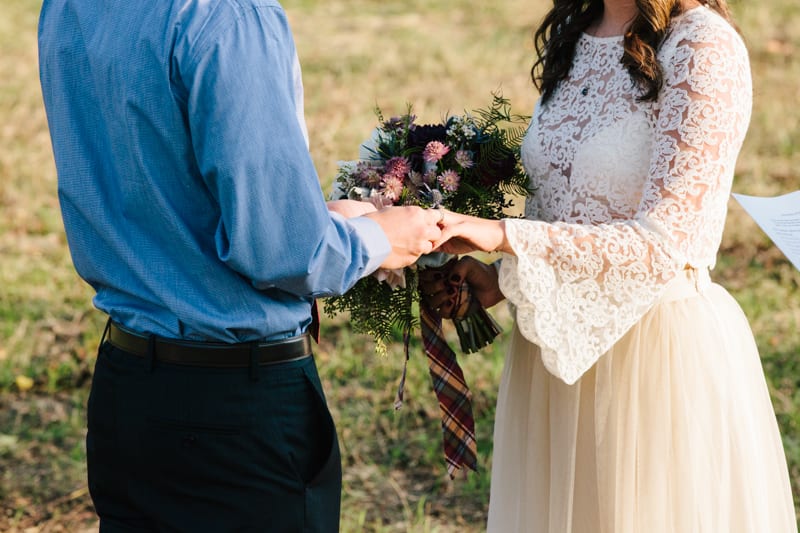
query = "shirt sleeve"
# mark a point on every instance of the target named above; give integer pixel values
(244, 101)
(579, 288)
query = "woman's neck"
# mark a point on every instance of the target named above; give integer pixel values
(617, 16)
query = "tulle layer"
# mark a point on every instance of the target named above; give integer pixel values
(672, 431)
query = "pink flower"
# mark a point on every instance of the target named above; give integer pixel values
(449, 180)
(434, 151)
(392, 188)
(398, 167)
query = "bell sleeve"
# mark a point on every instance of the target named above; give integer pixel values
(576, 288)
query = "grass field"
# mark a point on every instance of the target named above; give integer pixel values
(443, 56)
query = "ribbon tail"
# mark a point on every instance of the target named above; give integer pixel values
(401, 387)
(453, 394)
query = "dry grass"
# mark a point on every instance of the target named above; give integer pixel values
(447, 56)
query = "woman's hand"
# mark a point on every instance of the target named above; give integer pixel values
(463, 234)
(446, 290)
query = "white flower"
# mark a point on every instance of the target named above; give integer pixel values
(394, 277)
(464, 159)
(362, 194)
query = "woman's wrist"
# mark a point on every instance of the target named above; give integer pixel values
(502, 239)
(493, 296)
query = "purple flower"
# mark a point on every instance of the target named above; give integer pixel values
(368, 175)
(434, 151)
(399, 123)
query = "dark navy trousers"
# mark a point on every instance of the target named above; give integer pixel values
(189, 449)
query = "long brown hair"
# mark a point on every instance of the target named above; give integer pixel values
(557, 36)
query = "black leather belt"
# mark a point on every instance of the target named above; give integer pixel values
(211, 354)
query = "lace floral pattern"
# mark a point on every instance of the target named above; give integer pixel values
(628, 193)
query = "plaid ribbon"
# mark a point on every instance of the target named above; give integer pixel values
(458, 424)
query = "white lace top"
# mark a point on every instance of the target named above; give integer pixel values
(627, 193)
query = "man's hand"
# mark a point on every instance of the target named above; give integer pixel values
(411, 231)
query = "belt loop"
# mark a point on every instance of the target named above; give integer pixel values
(151, 352)
(254, 361)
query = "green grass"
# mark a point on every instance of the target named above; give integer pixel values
(441, 57)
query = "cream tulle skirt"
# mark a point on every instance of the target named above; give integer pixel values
(672, 431)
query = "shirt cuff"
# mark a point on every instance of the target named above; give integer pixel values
(376, 245)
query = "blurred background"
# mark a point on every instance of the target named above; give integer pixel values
(443, 57)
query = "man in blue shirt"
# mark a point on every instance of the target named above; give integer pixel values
(192, 207)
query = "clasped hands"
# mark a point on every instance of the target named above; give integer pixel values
(414, 231)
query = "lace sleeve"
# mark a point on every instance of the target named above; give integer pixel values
(578, 288)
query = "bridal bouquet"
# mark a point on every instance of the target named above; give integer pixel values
(468, 164)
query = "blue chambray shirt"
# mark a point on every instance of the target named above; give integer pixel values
(189, 197)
